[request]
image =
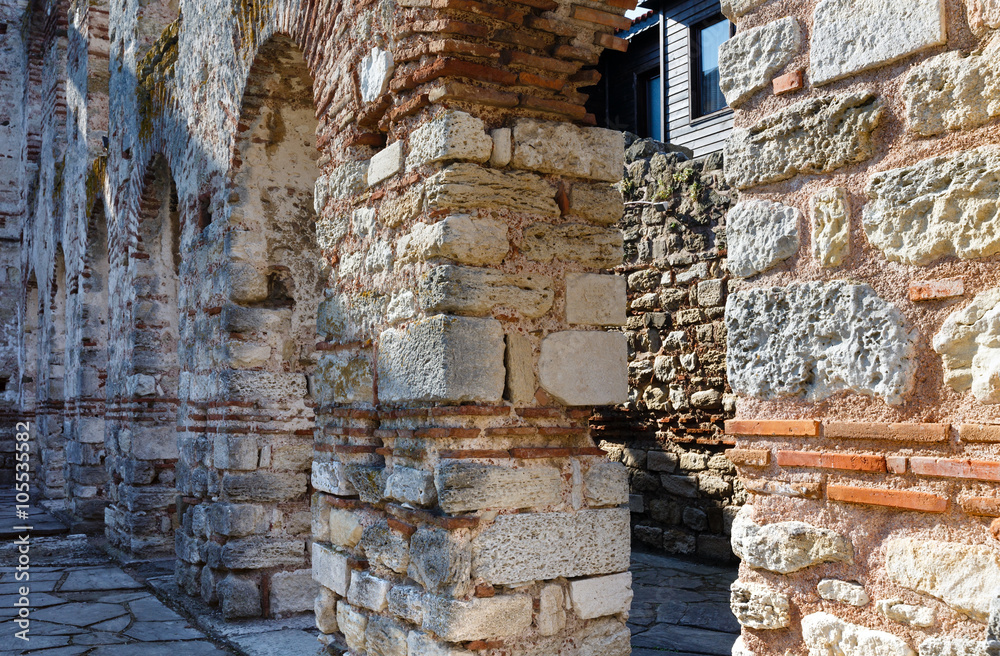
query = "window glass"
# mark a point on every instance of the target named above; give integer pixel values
(653, 110)
(708, 38)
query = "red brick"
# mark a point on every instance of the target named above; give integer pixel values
(995, 528)
(447, 26)
(539, 452)
(773, 427)
(587, 77)
(523, 38)
(455, 47)
(903, 499)
(544, 5)
(907, 432)
(485, 590)
(573, 52)
(610, 41)
(896, 464)
(979, 433)
(441, 433)
(930, 290)
(601, 17)
(458, 68)
(481, 9)
(552, 25)
(787, 83)
(803, 489)
(981, 506)
(457, 454)
(623, 4)
(470, 410)
(851, 461)
(518, 58)
(983, 470)
(749, 457)
(589, 451)
(402, 527)
(552, 106)
(353, 448)
(530, 79)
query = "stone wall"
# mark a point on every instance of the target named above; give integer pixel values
(859, 323)
(670, 435)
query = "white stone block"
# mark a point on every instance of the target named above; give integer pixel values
(565, 149)
(749, 60)
(761, 234)
(345, 529)
(331, 477)
(352, 624)
(330, 569)
(386, 163)
(853, 594)
(374, 73)
(602, 595)
(368, 591)
(595, 300)
(451, 135)
(824, 633)
(831, 226)
(481, 618)
(585, 367)
(500, 157)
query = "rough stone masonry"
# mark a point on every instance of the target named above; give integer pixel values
(861, 326)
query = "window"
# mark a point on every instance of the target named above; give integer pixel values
(649, 104)
(706, 37)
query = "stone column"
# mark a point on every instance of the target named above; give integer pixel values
(461, 503)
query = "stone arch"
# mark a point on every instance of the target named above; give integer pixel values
(264, 419)
(152, 18)
(142, 413)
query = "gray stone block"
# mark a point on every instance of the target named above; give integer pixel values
(467, 486)
(585, 367)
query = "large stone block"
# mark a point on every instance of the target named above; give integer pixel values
(385, 548)
(239, 596)
(831, 226)
(470, 187)
(595, 300)
(468, 486)
(451, 135)
(409, 485)
(968, 344)
(938, 207)
(343, 377)
(813, 136)
(786, 547)
(293, 592)
(749, 60)
(585, 367)
(442, 358)
(330, 569)
(761, 234)
(331, 477)
(261, 553)
(440, 561)
(368, 591)
(264, 486)
(816, 339)
(386, 163)
(352, 623)
(963, 576)
(943, 646)
(599, 202)
(345, 180)
(592, 246)
(155, 443)
(384, 637)
(551, 616)
(520, 362)
(602, 595)
(605, 484)
(343, 527)
(828, 635)
(850, 36)
(542, 546)
(733, 9)
(953, 91)
(425, 645)
(565, 149)
(481, 618)
(475, 292)
(479, 242)
(758, 606)
(843, 591)
(605, 637)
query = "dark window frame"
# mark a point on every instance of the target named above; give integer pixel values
(640, 81)
(694, 69)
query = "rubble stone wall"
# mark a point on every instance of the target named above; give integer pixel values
(859, 326)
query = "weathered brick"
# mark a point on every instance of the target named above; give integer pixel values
(903, 499)
(852, 461)
(983, 470)
(749, 457)
(930, 290)
(777, 427)
(979, 433)
(897, 432)
(981, 506)
(787, 83)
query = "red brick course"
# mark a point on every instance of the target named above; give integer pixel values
(896, 432)
(781, 427)
(930, 290)
(749, 457)
(903, 499)
(983, 470)
(850, 461)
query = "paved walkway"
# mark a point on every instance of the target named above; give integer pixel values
(83, 604)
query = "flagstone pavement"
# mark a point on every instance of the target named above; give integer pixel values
(84, 604)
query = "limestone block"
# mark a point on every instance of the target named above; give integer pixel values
(812, 136)
(352, 624)
(831, 226)
(293, 592)
(330, 569)
(758, 606)
(442, 358)
(843, 591)
(481, 618)
(601, 595)
(386, 163)
(596, 202)
(406, 601)
(592, 246)
(502, 147)
(150, 443)
(239, 596)
(961, 575)
(342, 319)
(740, 648)
(943, 646)
(585, 367)
(385, 548)
(264, 486)
(384, 637)
(983, 16)
(542, 546)
(247, 356)
(786, 547)
(520, 362)
(369, 481)
(711, 293)
(348, 179)
(440, 561)
(374, 73)
(261, 553)
(368, 591)
(413, 486)
(551, 617)
(481, 241)
(828, 635)
(332, 477)
(464, 186)
(473, 291)
(325, 609)
(953, 91)
(605, 637)
(938, 207)
(565, 149)
(344, 528)
(761, 234)
(451, 135)
(468, 486)
(236, 520)
(967, 343)
(343, 377)
(402, 307)
(733, 9)
(595, 300)
(816, 339)
(850, 36)
(749, 60)
(896, 610)
(605, 484)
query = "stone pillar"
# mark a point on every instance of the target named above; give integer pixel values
(461, 503)
(859, 322)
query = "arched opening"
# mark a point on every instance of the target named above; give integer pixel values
(52, 479)
(275, 282)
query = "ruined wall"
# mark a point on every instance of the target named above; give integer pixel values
(671, 435)
(860, 338)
